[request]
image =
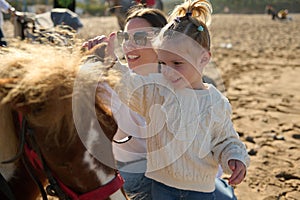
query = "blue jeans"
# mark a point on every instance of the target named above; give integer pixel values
(1, 33)
(137, 185)
(164, 192)
(223, 190)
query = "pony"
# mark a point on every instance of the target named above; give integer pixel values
(119, 8)
(54, 130)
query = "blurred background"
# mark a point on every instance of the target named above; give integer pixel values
(100, 7)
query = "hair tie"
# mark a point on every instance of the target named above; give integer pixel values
(200, 28)
(188, 14)
(177, 19)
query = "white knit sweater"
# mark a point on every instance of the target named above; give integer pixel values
(189, 131)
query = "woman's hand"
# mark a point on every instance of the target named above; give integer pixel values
(94, 41)
(99, 41)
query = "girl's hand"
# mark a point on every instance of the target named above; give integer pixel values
(238, 172)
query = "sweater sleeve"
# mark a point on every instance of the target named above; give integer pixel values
(135, 91)
(225, 141)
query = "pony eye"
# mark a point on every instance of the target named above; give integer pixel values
(38, 109)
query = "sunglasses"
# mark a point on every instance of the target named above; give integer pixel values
(140, 38)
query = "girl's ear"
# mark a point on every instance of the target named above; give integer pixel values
(205, 58)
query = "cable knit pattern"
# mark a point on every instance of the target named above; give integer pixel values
(189, 131)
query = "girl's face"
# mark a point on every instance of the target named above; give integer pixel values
(179, 72)
(141, 58)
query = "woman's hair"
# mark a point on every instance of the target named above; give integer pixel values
(155, 17)
(192, 19)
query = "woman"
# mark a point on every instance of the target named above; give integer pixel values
(142, 59)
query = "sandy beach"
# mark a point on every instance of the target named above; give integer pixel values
(259, 64)
(260, 74)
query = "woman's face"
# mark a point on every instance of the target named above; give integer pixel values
(142, 59)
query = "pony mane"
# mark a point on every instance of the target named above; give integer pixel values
(38, 80)
(37, 70)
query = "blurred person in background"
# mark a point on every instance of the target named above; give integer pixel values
(7, 8)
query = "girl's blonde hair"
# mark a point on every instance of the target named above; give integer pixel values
(192, 19)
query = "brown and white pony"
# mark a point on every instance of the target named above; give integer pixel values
(45, 122)
(119, 8)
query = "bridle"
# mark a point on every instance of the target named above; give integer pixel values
(33, 160)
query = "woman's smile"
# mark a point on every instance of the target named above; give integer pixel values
(132, 57)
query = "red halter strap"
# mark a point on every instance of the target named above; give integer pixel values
(101, 193)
